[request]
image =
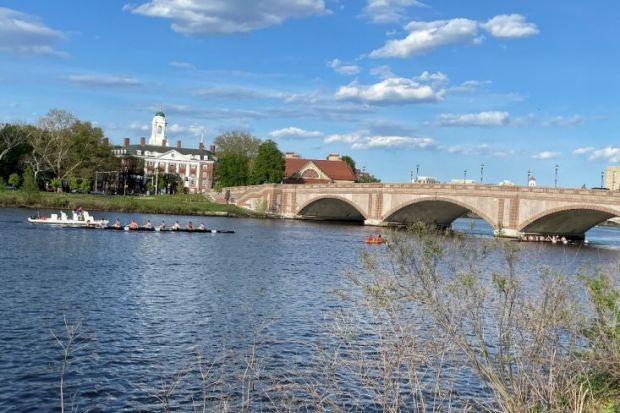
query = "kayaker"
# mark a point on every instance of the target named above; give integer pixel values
(379, 239)
(370, 238)
(147, 224)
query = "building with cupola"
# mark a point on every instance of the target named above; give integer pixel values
(195, 167)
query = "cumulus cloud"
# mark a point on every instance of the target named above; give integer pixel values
(361, 140)
(344, 68)
(510, 26)
(24, 34)
(546, 155)
(294, 132)
(388, 11)
(104, 80)
(139, 126)
(427, 87)
(474, 119)
(608, 153)
(227, 16)
(425, 36)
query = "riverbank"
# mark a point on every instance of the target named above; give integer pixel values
(163, 204)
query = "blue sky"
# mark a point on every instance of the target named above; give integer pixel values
(446, 85)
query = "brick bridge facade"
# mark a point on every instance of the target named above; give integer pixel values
(509, 210)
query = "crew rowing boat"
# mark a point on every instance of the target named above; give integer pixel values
(142, 229)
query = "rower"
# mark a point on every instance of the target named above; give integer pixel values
(175, 226)
(147, 224)
(189, 226)
(202, 226)
(162, 226)
(117, 224)
(133, 225)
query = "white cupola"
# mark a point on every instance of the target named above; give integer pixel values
(158, 129)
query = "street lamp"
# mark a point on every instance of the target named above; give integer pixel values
(602, 176)
(481, 172)
(529, 173)
(417, 171)
(464, 176)
(556, 175)
(411, 179)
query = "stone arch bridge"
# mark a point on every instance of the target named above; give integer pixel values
(509, 210)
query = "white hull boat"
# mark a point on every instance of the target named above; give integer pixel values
(78, 219)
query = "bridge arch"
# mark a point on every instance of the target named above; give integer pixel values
(331, 208)
(441, 211)
(570, 221)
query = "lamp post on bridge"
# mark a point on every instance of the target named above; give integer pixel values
(556, 175)
(417, 171)
(602, 176)
(464, 176)
(529, 173)
(481, 172)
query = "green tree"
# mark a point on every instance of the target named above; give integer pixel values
(241, 143)
(349, 160)
(269, 164)
(232, 170)
(85, 185)
(367, 178)
(14, 179)
(55, 183)
(29, 182)
(74, 183)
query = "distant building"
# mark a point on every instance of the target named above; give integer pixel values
(462, 181)
(316, 171)
(194, 166)
(532, 181)
(426, 180)
(506, 182)
(612, 177)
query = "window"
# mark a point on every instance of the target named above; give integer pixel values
(310, 174)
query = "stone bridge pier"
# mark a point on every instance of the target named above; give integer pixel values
(510, 210)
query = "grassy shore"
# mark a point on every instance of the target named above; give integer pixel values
(163, 204)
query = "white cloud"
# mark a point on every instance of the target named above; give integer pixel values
(425, 36)
(22, 33)
(138, 126)
(382, 72)
(546, 155)
(361, 140)
(227, 16)
(474, 119)
(294, 132)
(483, 149)
(563, 121)
(182, 65)
(584, 150)
(608, 153)
(388, 11)
(344, 68)
(510, 26)
(395, 90)
(469, 86)
(104, 80)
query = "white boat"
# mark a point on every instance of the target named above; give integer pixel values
(78, 219)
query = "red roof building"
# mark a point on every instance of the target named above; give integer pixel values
(316, 171)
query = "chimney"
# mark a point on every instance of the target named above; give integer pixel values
(126, 141)
(178, 143)
(164, 142)
(142, 141)
(333, 157)
(212, 148)
(105, 141)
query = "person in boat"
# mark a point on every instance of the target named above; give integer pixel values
(370, 238)
(379, 239)
(117, 223)
(202, 226)
(189, 226)
(147, 224)
(133, 225)
(175, 226)
(162, 226)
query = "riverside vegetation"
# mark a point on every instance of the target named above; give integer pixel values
(446, 315)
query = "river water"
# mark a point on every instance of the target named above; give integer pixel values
(147, 303)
